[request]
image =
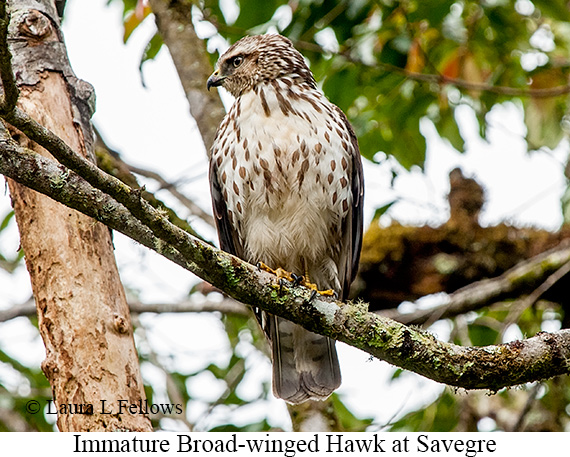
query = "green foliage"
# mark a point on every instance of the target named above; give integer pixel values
(382, 210)
(390, 64)
(6, 220)
(401, 61)
(9, 264)
(151, 50)
(440, 416)
(250, 16)
(348, 421)
(33, 386)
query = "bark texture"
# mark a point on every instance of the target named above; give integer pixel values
(491, 367)
(82, 311)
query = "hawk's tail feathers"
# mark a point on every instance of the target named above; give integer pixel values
(305, 365)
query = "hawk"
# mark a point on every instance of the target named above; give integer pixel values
(287, 190)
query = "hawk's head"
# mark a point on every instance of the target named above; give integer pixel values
(257, 59)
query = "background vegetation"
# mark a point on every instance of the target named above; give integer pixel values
(394, 67)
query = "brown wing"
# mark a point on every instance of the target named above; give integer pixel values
(229, 239)
(352, 224)
(227, 234)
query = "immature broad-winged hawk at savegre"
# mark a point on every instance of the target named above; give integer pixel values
(287, 190)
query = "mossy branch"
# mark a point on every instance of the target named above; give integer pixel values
(491, 367)
(528, 274)
(110, 162)
(81, 185)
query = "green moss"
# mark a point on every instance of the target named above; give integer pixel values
(60, 181)
(379, 242)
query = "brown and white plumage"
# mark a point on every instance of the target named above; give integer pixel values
(287, 189)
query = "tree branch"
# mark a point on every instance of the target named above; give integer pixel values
(111, 162)
(79, 184)
(525, 275)
(174, 22)
(491, 367)
(173, 189)
(439, 79)
(442, 80)
(11, 93)
(226, 306)
(119, 191)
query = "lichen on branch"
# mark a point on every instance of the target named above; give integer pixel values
(79, 184)
(491, 367)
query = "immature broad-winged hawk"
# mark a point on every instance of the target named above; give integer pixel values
(287, 189)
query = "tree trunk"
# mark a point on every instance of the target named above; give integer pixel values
(174, 22)
(82, 311)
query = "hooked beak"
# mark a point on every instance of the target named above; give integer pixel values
(215, 80)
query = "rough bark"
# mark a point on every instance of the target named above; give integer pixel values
(112, 202)
(523, 277)
(82, 311)
(491, 367)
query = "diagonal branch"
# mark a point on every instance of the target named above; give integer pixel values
(11, 93)
(119, 191)
(79, 184)
(491, 367)
(521, 277)
(188, 52)
(111, 162)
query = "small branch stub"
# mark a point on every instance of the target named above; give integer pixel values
(121, 324)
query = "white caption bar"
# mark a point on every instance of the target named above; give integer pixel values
(283, 444)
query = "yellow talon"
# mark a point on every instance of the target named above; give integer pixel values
(279, 272)
(310, 285)
(284, 274)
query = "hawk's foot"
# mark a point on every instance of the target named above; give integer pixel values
(279, 272)
(314, 288)
(296, 280)
(309, 285)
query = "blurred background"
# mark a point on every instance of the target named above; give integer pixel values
(461, 110)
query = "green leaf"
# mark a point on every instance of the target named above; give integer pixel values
(252, 13)
(448, 129)
(348, 421)
(482, 335)
(542, 119)
(6, 220)
(342, 87)
(152, 48)
(397, 373)
(557, 9)
(382, 209)
(440, 416)
(218, 372)
(132, 20)
(433, 12)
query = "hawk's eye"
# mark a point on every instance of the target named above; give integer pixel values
(237, 61)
